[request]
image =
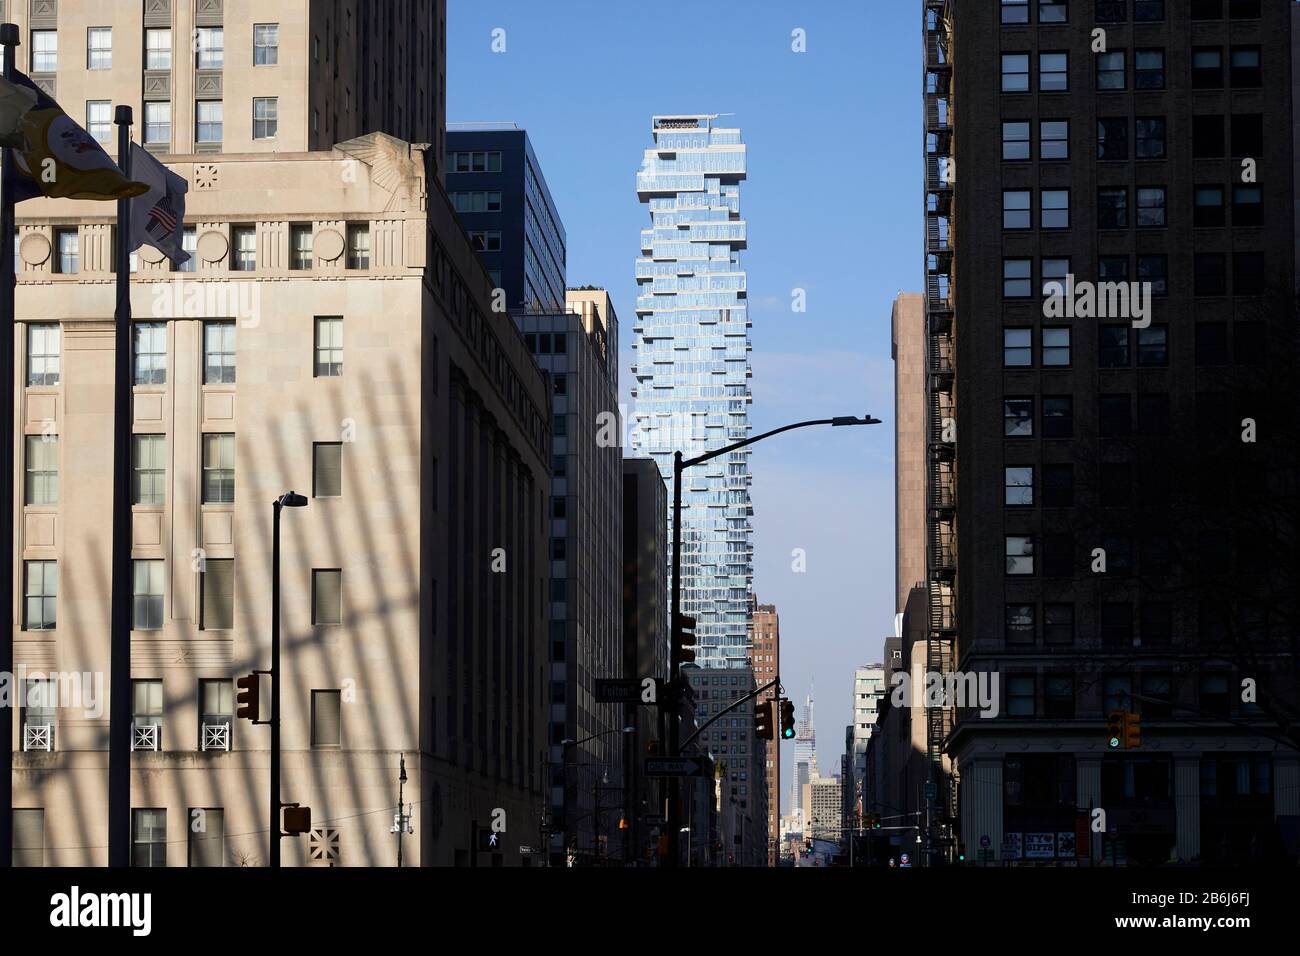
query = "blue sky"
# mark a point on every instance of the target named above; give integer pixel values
(833, 202)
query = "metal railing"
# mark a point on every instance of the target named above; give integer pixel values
(38, 737)
(146, 737)
(215, 736)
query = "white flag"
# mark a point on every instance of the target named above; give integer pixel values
(158, 216)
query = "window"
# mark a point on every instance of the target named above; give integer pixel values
(1015, 11)
(266, 44)
(99, 120)
(1145, 11)
(359, 246)
(1020, 624)
(1112, 346)
(1015, 75)
(68, 244)
(45, 51)
(1053, 11)
(1156, 623)
(1058, 623)
(1053, 72)
(327, 596)
(1208, 209)
(1111, 70)
(1017, 278)
(208, 118)
(1243, 9)
(1018, 348)
(28, 837)
(43, 354)
(1018, 487)
(1112, 11)
(218, 468)
(1058, 697)
(1020, 554)
(147, 606)
(1153, 414)
(148, 469)
(218, 353)
(1148, 69)
(1117, 624)
(1054, 139)
(1016, 209)
(1056, 347)
(1020, 695)
(1018, 417)
(1118, 692)
(1154, 269)
(1116, 416)
(327, 470)
(1056, 276)
(1058, 555)
(41, 592)
(1248, 276)
(148, 837)
(1247, 206)
(1055, 211)
(300, 246)
(1158, 697)
(207, 837)
(1244, 71)
(1153, 346)
(1207, 137)
(485, 241)
(1113, 268)
(266, 117)
(99, 48)
(1058, 416)
(42, 484)
(1150, 207)
(1211, 343)
(158, 48)
(1207, 68)
(326, 719)
(218, 586)
(1115, 484)
(329, 347)
(150, 353)
(243, 248)
(1015, 140)
(210, 42)
(1113, 207)
(1210, 273)
(1214, 694)
(190, 244)
(1247, 134)
(1112, 138)
(157, 122)
(1151, 137)
(1058, 486)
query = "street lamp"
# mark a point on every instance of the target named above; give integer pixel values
(680, 464)
(289, 499)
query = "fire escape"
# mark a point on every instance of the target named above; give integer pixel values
(941, 499)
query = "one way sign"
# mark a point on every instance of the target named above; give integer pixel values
(674, 767)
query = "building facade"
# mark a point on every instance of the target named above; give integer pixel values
(501, 196)
(805, 755)
(869, 688)
(1114, 540)
(692, 366)
(766, 655)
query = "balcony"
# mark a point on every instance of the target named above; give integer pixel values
(38, 737)
(215, 736)
(146, 737)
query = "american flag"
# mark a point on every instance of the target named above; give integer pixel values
(162, 215)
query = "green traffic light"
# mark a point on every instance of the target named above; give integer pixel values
(1114, 743)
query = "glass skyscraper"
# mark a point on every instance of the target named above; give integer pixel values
(692, 366)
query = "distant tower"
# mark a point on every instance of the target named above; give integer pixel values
(805, 752)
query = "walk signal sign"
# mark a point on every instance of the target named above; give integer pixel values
(763, 720)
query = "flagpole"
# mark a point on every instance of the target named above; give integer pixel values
(119, 681)
(9, 42)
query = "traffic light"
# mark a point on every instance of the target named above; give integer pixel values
(297, 820)
(1124, 730)
(787, 719)
(763, 720)
(1115, 729)
(961, 852)
(875, 821)
(1132, 731)
(684, 639)
(250, 689)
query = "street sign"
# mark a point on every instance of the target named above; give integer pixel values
(673, 767)
(626, 691)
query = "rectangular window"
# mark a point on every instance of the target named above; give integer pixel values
(1158, 696)
(1112, 208)
(157, 122)
(1148, 11)
(1058, 555)
(40, 593)
(1018, 486)
(1247, 206)
(485, 241)
(1020, 695)
(327, 470)
(1112, 138)
(1053, 72)
(1115, 484)
(327, 596)
(219, 353)
(1156, 623)
(1243, 9)
(1055, 208)
(1208, 209)
(68, 245)
(1207, 68)
(1117, 693)
(1248, 277)
(1058, 486)
(1111, 70)
(190, 244)
(1053, 11)
(1116, 416)
(148, 469)
(42, 466)
(1210, 273)
(1015, 11)
(1058, 623)
(1151, 137)
(1018, 348)
(1058, 697)
(1151, 207)
(1244, 71)
(1020, 554)
(1112, 346)
(266, 44)
(208, 120)
(1015, 72)
(326, 719)
(43, 358)
(359, 246)
(150, 353)
(1018, 417)
(1207, 137)
(1056, 276)
(1116, 624)
(1112, 11)
(243, 248)
(210, 46)
(99, 120)
(1247, 134)
(1019, 623)
(1017, 209)
(329, 347)
(1153, 414)
(1154, 269)
(158, 48)
(1015, 140)
(147, 589)
(148, 837)
(45, 51)
(218, 586)
(1017, 278)
(28, 837)
(1113, 268)
(266, 117)
(300, 240)
(1054, 139)
(1056, 347)
(207, 836)
(1148, 69)
(218, 468)
(1211, 343)
(1153, 346)
(99, 48)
